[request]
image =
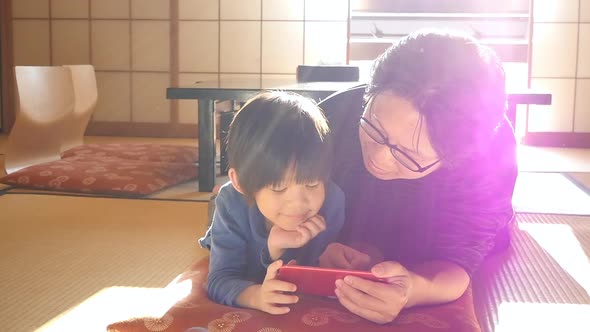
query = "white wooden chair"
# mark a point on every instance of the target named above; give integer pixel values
(45, 101)
(85, 97)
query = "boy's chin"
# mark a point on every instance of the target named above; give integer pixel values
(287, 228)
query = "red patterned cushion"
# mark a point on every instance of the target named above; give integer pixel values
(197, 313)
(110, 176)
(138, 151)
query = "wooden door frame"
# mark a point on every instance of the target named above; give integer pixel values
(7, 62)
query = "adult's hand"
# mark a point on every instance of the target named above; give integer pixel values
(340, 256)
(376, 301)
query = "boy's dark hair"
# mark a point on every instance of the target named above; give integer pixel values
(456, 84)
(274, 131)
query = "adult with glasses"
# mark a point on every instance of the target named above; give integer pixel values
(427, 162)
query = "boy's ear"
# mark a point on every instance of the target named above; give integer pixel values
(233, 177)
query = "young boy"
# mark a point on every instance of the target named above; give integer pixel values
(279, 205)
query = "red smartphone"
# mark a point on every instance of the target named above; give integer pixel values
(318, 281)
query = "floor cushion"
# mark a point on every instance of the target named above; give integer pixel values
(138, 151)
(102, 175)
(197, 313)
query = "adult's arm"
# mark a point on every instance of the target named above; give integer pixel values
(432, 282)
(475, 209)
(476, 206)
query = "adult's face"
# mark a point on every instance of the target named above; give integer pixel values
(400, 125)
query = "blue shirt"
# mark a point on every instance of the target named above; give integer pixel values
(238, 238)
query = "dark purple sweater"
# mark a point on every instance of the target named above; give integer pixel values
(459, 215)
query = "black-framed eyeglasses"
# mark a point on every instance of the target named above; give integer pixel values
(373, 132)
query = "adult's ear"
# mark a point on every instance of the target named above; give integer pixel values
(233, 177)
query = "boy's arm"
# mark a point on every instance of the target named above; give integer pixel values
(227, 263)
(334, 215)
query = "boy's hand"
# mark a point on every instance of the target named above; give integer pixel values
(269, 297)
(280, 239)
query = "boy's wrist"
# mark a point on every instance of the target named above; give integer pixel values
(249, 297)
(275, 253)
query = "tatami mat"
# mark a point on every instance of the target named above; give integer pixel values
(549, 193)
(188, 191)
(556, 160)
(581, 179)
(56, 252)
(541, 283)
(181, 192)
(159, 140)
(60, 253)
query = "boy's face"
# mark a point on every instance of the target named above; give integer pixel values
(290, 204)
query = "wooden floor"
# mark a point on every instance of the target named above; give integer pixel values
(65, 261)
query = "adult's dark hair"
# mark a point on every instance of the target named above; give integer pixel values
(457, 85)
(273, 132)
